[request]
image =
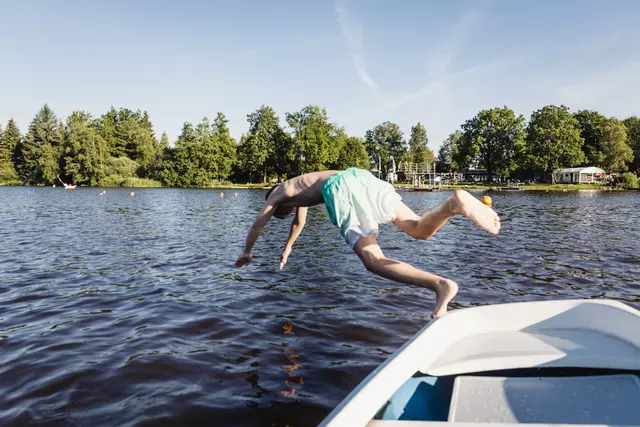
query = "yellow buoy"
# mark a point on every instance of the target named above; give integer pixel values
(487, 200)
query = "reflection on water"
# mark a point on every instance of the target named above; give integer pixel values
(293, 365)
(120, 310)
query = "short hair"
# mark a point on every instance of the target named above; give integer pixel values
(270, 191)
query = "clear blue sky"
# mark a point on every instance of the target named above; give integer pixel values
(437, 62)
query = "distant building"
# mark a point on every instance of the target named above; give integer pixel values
(473, 175)
(585, 175)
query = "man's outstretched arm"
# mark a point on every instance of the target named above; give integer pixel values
(296, 228)
(256, 230)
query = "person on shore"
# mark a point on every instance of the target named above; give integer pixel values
(357, 202)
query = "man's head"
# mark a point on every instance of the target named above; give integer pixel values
(281, 212)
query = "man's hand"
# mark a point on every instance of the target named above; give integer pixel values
(244, 259)
(284, 256)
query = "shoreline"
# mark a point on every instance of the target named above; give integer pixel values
(497, 188)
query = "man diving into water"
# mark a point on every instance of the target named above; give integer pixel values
(357, 203)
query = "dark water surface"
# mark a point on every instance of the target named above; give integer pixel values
(119, 310)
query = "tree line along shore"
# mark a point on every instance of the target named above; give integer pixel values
(121, 149)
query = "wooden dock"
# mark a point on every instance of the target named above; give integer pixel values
(430, 189)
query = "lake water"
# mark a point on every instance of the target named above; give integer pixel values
(119, 310)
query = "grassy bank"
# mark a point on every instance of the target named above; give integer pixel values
(140, 183)
(149, 183)
(527, 187)
(568, 187)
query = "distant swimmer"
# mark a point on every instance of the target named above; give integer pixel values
(357, 202)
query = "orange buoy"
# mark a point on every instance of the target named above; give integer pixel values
(487, 200)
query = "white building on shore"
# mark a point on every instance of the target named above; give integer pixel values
(583, 175)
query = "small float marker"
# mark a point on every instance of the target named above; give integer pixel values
(132, 194)
(487, 200)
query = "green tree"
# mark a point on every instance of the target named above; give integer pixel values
(226, 146)
(84, 150)
(160, 157)
(193, 162)
(383, 142)
(176, 162)
(119, 168)
(164, 142)
(591, 124)
(444, 162)
(252, 156)
(493, 139)
(265, 125)
(143, 148)
(107, 126)
(134, 133)
(316, 142)
(250, 163)
(204, 150)
(616, 154)
(353, 154)
(263, 150)
(628, 181)
(419, 152)
(553, 139)
(9, 141)
(633, 140)
(39, 150)
(129, 133)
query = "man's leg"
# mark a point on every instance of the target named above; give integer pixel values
(460, 203)
(374, 260)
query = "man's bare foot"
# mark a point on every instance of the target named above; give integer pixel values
(445, 291)
(482, 215)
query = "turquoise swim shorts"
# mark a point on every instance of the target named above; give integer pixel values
(358, 202)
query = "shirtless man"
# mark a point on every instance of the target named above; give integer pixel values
(357, 202)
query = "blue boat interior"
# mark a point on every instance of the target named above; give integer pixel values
(429, 398)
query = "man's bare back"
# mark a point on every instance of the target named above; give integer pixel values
(304, 190)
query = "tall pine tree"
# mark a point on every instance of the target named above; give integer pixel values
(7, 171)
(40, 149)
(11, 141)
(129, 133)
(226, 147)
(160, 158)
(419, 152)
